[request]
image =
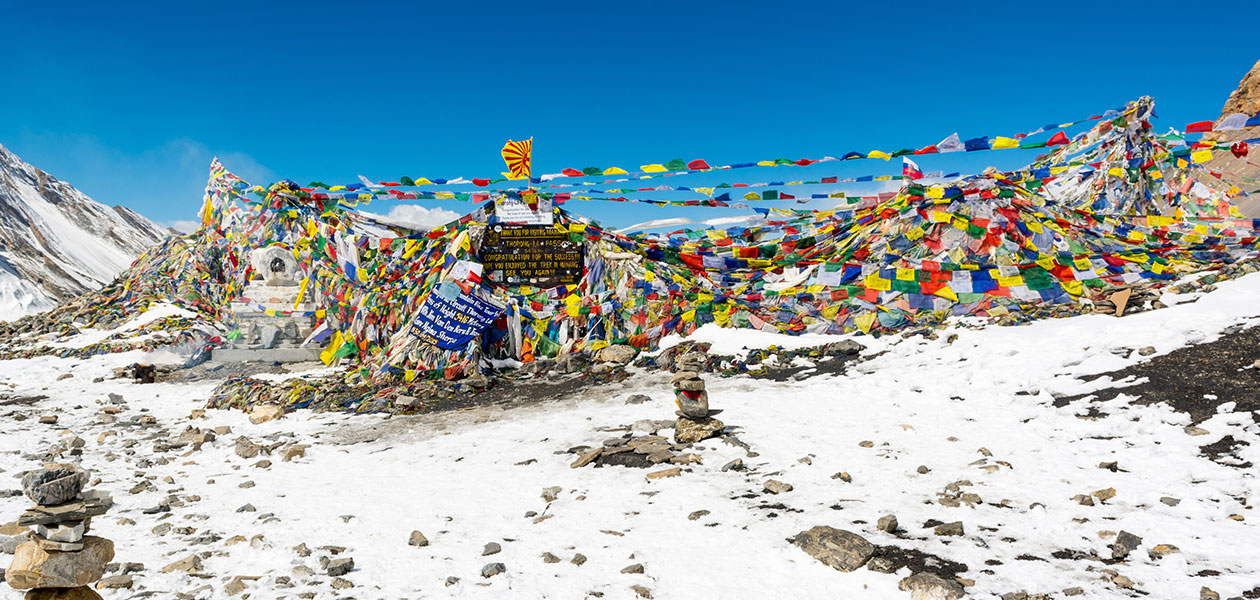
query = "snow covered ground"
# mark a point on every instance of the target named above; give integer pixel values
(976, 409)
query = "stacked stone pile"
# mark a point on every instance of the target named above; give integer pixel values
(695, 421)
(60, 561)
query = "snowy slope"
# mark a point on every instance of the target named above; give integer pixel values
(979, 409)
(55, 242)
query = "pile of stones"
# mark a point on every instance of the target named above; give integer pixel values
(695, 421)
(60, 561)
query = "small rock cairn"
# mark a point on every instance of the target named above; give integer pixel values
(694, 420)
(59, 561)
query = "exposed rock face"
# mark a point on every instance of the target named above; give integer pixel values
(1246, 100)
(839, 549)
(34, 567)
(56, 243)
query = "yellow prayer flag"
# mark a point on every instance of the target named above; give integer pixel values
(615, 171)
(875, 282)
(1002, 143)
(865, 322)
(905, 274)
(878, 154)
(517, 156)
(1201, 156)
(333, 345)
(947, 293)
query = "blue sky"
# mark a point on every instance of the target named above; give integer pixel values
(129, 104)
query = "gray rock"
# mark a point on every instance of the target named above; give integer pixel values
(887, 523)
(50, 487)
(638, 399)
(550, 494)
(774, 486)
(690, 431)
(617, 353)
(954, 528)
(734, 465)
(245, 448)
(635, 569)
(1073, 591)
(492, 548)
(269, 336)
(550, 558)
(1206, 593)
(928, 586)
(882, 564)
(839, 549)
(67, 532)
(1125, 543)
(339, 566)
(578, 559)
(697, 514)
(644, 426)
(1147, 351)
(492, 569)
(1170, 501)
(417, 539)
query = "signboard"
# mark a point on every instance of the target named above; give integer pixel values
(536, 255)
(450, 318)
(515, 210)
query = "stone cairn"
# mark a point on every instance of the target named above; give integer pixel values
(59, 561)
(695, 421)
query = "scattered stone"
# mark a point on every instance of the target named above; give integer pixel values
(491, 548)
(417, 539)
(1206, 593)
(945, 529)
(452, 580)
(1073, 591)
(245, 448)
(48, 420)
(551, 493)
(839, 549)
(247, 508)
(734, 465)
(1105, 494)
(842, 476)
(776, 487)
(1146, 350)
(697, 514)
(587, 458)
(638, 399)
(578, 559)
(34, 567)
(492, 569)
(1170, 501)
(636, 568)
(116, 582)
(1125, 543)
(550, 558)
(1161, 550)
(674, 472)
(923, 470)
(190, 564)
(642, 591)
(341, 583)
(887, 523)
(929, 586)
(339, 566)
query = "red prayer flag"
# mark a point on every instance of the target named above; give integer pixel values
(697, 165)
(1200, 127)
(1058, 139)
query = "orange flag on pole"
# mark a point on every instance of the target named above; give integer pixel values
(517, 156)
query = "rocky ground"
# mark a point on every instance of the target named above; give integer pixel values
(1094, 456)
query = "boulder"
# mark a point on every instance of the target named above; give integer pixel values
(190, 564)
(492, 569)
(417, 539)
(690, 431)
(50, 487)
(33, 567)
(269, 336)
(261, 413)
(927, 586)
(74, 593)
(617, 353)
(1125, 543)
(839, 549)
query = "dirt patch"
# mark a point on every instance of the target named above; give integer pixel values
(1194, 379)
(920, 562)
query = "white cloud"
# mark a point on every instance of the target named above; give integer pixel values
(417, 217)
(182, 226)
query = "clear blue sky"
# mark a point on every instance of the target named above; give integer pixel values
(129, 104)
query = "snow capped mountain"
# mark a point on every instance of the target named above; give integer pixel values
(56, 243)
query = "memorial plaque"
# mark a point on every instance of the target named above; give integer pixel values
(536, 255)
